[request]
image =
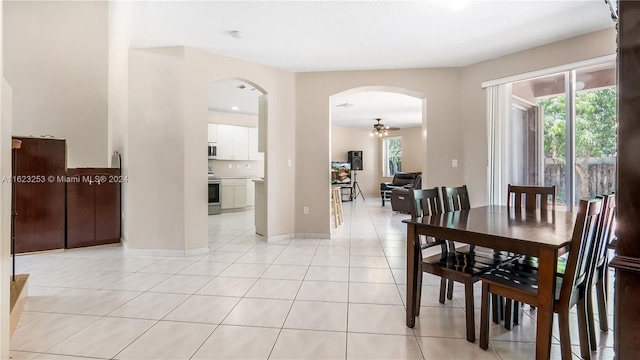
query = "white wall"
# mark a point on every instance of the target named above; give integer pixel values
(56, 62)
(202, 68)
(474, 112)
(123, 16)
(441, 89)
(155, 210)
(344, 139)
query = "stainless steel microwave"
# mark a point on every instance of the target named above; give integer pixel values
(213, 151)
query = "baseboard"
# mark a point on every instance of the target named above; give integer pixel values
(279, 238)
(312, 236)
(18, 296)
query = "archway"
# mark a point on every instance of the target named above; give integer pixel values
(236, 129)
(353, 114)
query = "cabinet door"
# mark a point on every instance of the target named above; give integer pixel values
(212, 133)
(80, 209)
(107, 209)
(226, 196)
(40, 205)
(251, 193)
(253, 144)
(225, 142)
(240, 143)
(240, 196)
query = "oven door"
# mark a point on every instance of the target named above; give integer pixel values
(214, 197)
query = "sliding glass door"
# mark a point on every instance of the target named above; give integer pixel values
(562, 132)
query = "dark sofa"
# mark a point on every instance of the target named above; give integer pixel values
(401, 180)
(401, 197)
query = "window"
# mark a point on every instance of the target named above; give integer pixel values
(391, 156)
(560, 130)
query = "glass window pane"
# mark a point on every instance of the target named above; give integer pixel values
(596, 147)
(391, 156)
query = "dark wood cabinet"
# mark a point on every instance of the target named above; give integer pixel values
(93, 206)
(40, 194)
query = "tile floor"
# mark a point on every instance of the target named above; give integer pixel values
(248, 299)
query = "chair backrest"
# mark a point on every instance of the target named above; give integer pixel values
(605, 227)
(425, 202)
(582, 250)
(535, 197)
(455, 198)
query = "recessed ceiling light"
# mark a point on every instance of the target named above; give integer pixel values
(235, 108)
(236, 34)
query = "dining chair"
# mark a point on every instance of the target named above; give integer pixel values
(520, 198)
(464, 264)
(425, 202)
(600, 273)
(520, 282)
(531, 197)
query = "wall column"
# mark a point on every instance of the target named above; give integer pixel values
(627, 260)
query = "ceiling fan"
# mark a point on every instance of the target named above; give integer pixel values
(380, 129)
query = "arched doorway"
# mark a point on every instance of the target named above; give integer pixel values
(236, 142)
(353, 115)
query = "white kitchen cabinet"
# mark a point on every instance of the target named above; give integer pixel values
(225, 142)
(251, 193)
(233, 194)
(253, 145)
(240, 143)
(233, 142)
(212, 133)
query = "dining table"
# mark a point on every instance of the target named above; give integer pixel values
(544, 234)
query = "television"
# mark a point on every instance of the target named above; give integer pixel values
(340, 172)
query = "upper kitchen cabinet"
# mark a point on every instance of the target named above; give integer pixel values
(212, 133)
(233, 142)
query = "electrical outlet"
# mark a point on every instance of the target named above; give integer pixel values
(289, 162)
(230, 166)
(238, 166)
(305, 210)
(454, 163)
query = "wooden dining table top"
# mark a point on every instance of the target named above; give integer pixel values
(501, 228)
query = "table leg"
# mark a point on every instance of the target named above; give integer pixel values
(412, 276)
(546, 295)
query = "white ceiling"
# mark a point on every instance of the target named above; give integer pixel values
(234, 96)
(395, 110)
(356, 35)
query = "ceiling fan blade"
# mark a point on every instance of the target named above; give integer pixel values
(392, 128)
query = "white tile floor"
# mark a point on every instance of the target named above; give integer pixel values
(247, 299)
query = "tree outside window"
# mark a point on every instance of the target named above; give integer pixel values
(595, 133)
(391, 156)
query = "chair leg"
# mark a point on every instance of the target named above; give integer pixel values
(601, 293)
(585, 347)
(508, 313)
(419, 293)
(443, 289)
(469, 309)
(516, 313)
(590, 319)
(450, 290)
(484, 317)
(497, 308)
(565, 337)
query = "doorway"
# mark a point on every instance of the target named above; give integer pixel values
(236, 126)
(386, 126)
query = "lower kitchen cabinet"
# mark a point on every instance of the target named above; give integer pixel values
(93, 206)
(233, 194)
